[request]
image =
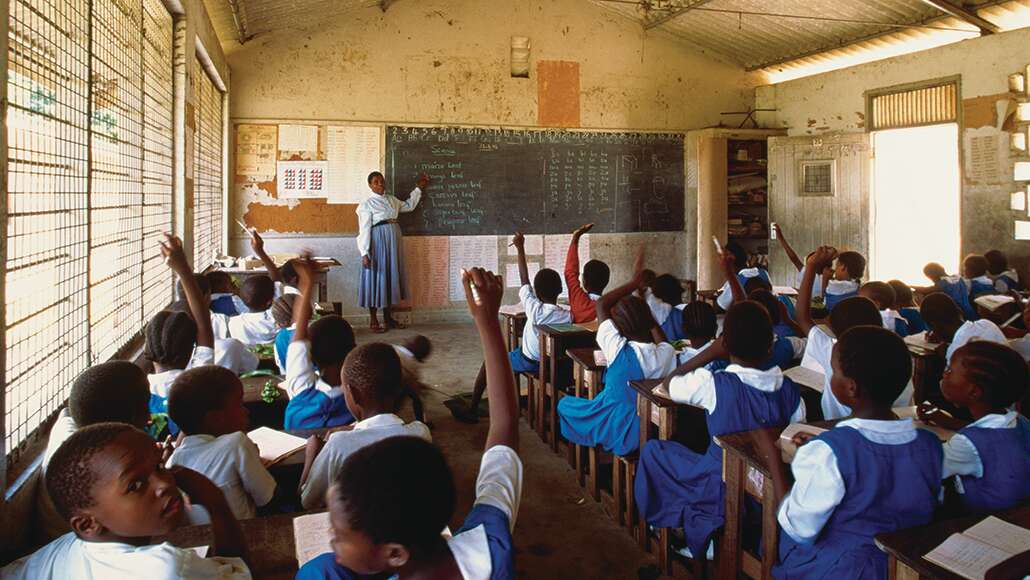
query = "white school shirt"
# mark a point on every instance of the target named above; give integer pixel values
(301, 374)
(499, 485)
(538, 313)
(253, 328)
(817, 282)
(838, 287)
(233, 463)
(342, 444)
(725, 299)
(235, 356)
(698, 387)
(985, 279)
(960, 455)
(818, 485)
(376, 208)
(220, 325)
(890, 318)
(69, 558)
(977, 330)
(660, 309)
(656, 360)
(689, 352)
(161, 382)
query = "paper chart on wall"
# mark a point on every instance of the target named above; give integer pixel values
(353, 153)
(256, 152)
(534, 246)
(298, 138)
(511, 273)
(301, 179)
(986, 156)
(470, 252)
(427, 272)
(556, 248)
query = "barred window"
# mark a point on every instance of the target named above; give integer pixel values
(89, 172)
(207, 171)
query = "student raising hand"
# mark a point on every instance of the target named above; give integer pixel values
(175, 257)
(199, 303)
(258, 245)
(580, 231)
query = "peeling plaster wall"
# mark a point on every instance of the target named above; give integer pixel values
(834, 102)
(447, 62)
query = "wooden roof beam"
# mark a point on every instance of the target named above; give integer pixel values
(960, 12)
(675, 13)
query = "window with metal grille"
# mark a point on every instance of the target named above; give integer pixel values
(913, 105)
(207, 171)
(89, 174)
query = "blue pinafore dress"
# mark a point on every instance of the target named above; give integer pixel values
(959, 292)
(313, 409)
(676, 487)
(609, 419)
(673, 325)
(888, 487)
(1005, 454)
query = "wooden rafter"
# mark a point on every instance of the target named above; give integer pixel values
(675, 13)
(960, 12)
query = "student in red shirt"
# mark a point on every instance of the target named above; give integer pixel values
(583, 298)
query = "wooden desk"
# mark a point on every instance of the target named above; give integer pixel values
(555, 339)
(586, 379)
(512, 324)
(321, 275)
(906, 548)
(927, 370)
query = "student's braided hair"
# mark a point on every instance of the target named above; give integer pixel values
(373, 373)
(877, 360)
(70, 476)
(999, 371)
(700, 320)
(282, 310)
(170, 338)
(633, 319)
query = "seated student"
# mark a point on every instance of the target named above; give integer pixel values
(176, 341)
(953, 286)
(744, 275)
(583, 298)
(944, 319)
(109, 483)
(974, 274)
(256, 326)
(883, 297)
(412, 353)
(224, 294)
(846, 278)
(1022, 344)
(207, 404)
(870, 474)
(389, 501)
(374, 390)
(635, 349)
(906, 305)
(700, 325)
(854, 311)
(678, 488)
(666, 304)
(1005, 279)
(282, 313)
(817, 288)
(541, 304)
(313, 365)
(990, 457)
(229, 352)
(112, 391)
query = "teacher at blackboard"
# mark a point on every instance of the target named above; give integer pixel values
(383, 281)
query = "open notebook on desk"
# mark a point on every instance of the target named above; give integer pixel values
(806, 377)
(973, 552)
(311, 535)
(276, 446)
(919, 342)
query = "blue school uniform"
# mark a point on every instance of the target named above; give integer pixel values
(522, 363)
(887, 488)
(283, 338)
(159, 407)
(610, 418)
(673, 326)
(980, 286)
(1005, 455)
(916, 324)
(313, 409)
(676, 487)
(958, 291)
(224, 305)
(1006, 282)
(782, 355)
(839, 290)
(788, 303)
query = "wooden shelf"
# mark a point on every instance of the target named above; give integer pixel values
(751, 205)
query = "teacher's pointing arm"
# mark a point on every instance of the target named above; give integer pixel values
(416, 194)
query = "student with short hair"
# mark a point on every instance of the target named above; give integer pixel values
(109, 483)
(225, 299)
(846, 278)
(954, 286)
(678, 488)
(700, 325)
(374, 389)
(944, 318)
(314, 360)
(867, 475)
(882, 295)
(744, 274)
(666, 303)
(389, 501)
(282, 313)
(541, 303)
(906, 305)
(990, 457)
(583, 297)
(1005, 279)
(229, 352)
(207, 404)
(256, 326)
(974, 274)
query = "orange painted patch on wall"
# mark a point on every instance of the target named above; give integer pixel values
(558, 93)
(310, 216)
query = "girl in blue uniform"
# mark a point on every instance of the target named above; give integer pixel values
(847, 277)
(906, 305)
(990, 457)
(974, 270)
(954, 286)
(666, 303)
(870, 474)
(636, 349)
(1005, 280)
(676, 487)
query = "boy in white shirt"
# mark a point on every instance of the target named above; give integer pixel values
(207, 404)
(541, 303)
(257, 326)
(108, 481)
(390, 500)
(374, 389)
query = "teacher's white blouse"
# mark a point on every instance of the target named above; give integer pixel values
(376, 208)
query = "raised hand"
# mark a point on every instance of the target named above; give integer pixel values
(483, 292)
(518, 240)
(305, 268)
(423, 181)
(256, 243)
(581, 230)
(175, 257)
(821, 258)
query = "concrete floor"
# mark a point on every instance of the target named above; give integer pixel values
(561, 531)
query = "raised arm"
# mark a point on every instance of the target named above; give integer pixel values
(200, 309)
(572, 265)
(302, 306)
(258, 245)
(519, 241)
(610, 299)
(483, 292)
(729, 269)
(819, 259)
(794, 259)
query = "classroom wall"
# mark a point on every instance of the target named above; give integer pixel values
(447, 62)
(834, 103)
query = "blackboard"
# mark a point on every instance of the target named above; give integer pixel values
(498, 181)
